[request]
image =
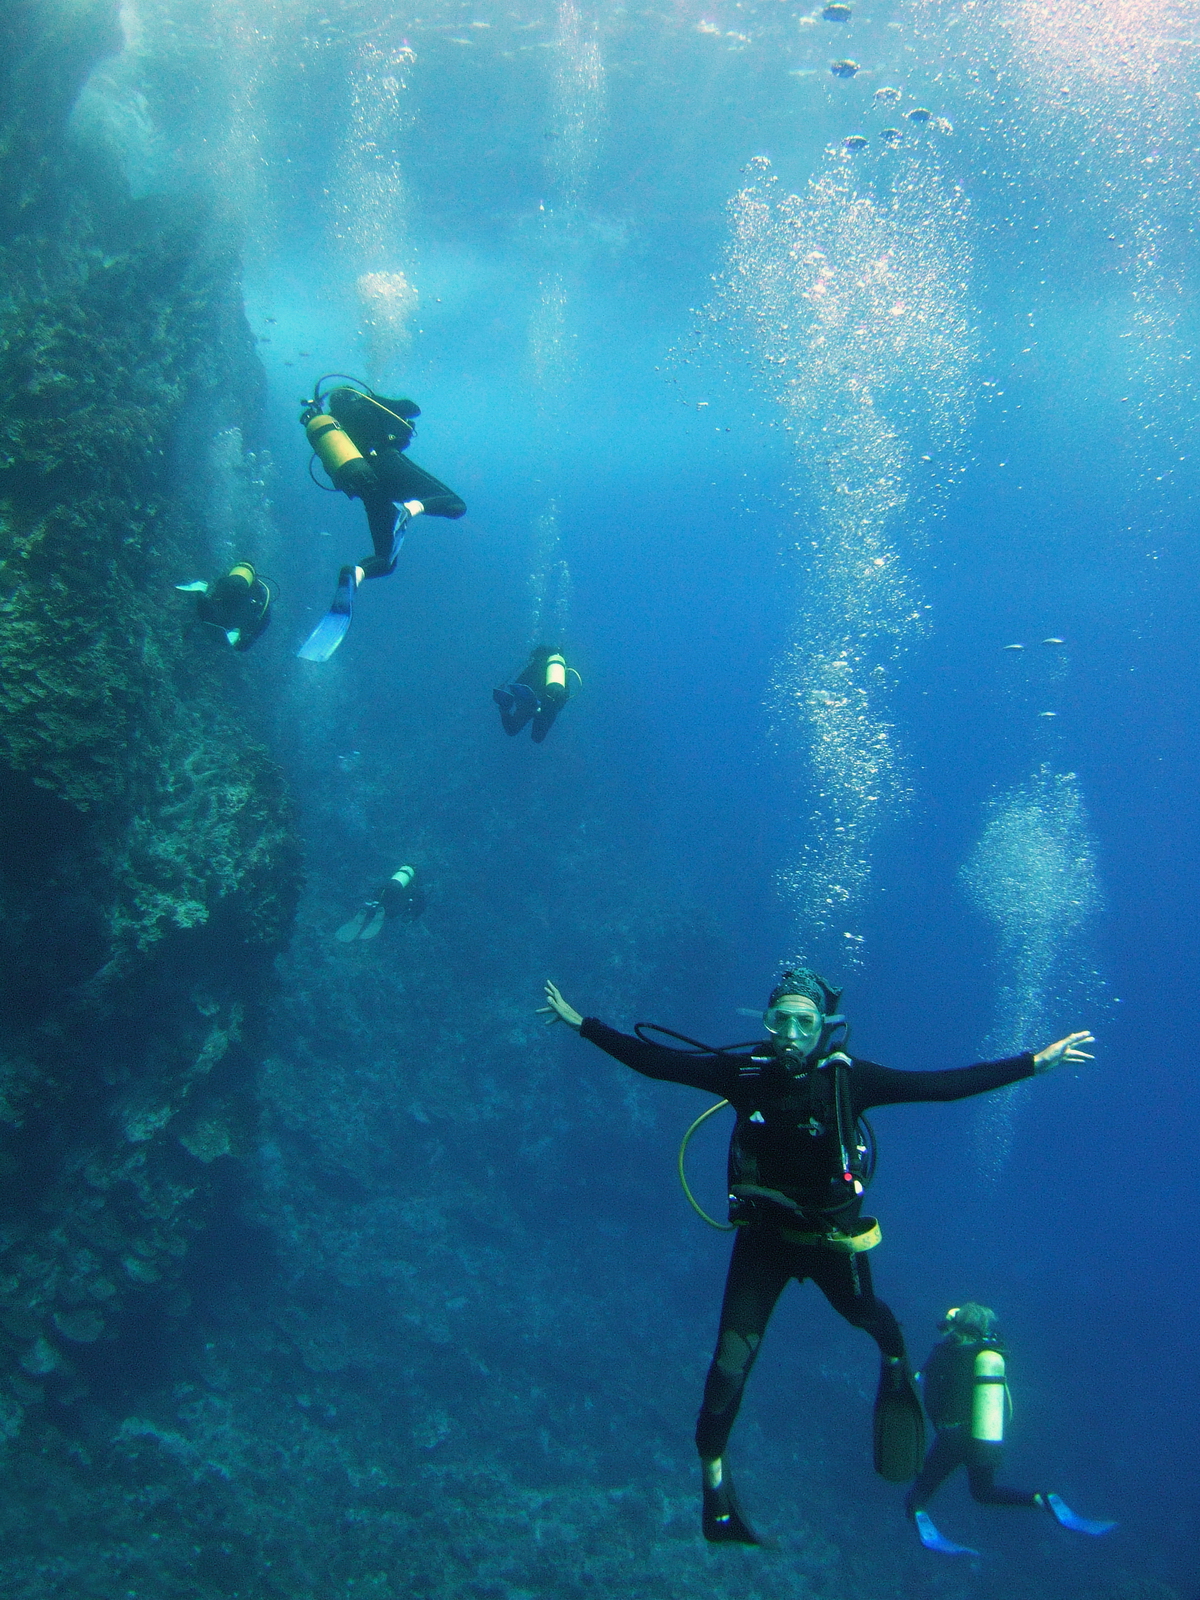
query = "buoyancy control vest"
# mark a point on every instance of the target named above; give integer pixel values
(797, 1153)
(964, 1387)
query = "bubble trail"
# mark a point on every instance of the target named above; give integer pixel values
(1033, 875)
(852, 303)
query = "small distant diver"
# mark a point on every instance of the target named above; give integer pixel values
(398, 896)
(800, 1159)
(237, 604)
(967, 1398)
(538, 695)
(360, 437)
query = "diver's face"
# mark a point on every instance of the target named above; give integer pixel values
(794, 1023)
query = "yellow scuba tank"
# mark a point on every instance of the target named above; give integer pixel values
(988, 1398)
(404, 876)
(331, 443)
(243, 571)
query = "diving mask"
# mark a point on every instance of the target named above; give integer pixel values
(792, 1022)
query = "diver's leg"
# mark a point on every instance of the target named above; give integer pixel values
(981, 1474)
(845, 1281)
(947, 1453)
(405, 480)
(758, 1274)
(387, 523)
(899, 1422)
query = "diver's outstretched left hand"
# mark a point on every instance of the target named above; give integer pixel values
(1067, 1049)
(559, 1010)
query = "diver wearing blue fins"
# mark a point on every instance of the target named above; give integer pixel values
(360, 439)
(966, 1395)
(800, 1159)
(537, 695)
(399, 896)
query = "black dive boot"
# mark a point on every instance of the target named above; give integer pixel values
(899, 1423)
(721, 1518)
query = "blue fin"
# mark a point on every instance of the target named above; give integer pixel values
(335, 624)
(933, 1540)
(1065, 1517)
(198, 587)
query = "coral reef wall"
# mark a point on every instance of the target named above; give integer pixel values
(147, 870)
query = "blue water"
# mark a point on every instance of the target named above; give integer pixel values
(635, 857)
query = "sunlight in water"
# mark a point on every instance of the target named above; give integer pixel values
(855, 303)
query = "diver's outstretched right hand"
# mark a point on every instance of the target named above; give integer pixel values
(559, 1010)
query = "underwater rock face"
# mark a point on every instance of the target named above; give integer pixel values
(147, 872)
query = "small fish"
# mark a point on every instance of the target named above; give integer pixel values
(269, 319)
(1047, 713)
(307, 354)
(1014, 647)
(855, 141)
(1054, 641)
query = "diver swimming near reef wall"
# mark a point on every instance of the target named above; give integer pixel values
(966, 1396)
(237, 604)
(398, 896)
(538, 695)
(360, 438)
(800, 1159)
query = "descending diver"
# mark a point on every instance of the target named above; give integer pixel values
(398, 896)
(359, 438)
(238, 604)
(799, 1161)
(538, 695)
(967, 1397)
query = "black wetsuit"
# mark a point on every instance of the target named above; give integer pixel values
(540, 706)
(234, 606)
(949, 1384)
(382, 429)
(784, 1175)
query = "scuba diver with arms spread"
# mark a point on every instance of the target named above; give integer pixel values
(537, 696)
(799, 1162)
(967, 1399)
(360, 439)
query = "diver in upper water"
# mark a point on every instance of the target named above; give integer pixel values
(398, 896)
(800, 1159)
(968, 1403)
(360, 439)
(237, 604)
(538, 695)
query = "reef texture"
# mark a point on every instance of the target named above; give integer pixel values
(147, 873)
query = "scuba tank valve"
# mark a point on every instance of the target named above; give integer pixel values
(988, 1398)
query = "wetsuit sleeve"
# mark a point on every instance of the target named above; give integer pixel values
(883, 1086)
(714, 1073)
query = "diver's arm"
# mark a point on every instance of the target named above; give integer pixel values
(651, 1060)
(884, 1086)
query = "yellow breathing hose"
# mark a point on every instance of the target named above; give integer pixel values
(723, 1227)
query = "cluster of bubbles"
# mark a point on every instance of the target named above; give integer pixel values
(1097, 102)
(577, 106)
(1033, 875)
(370, 198)
(854, 304)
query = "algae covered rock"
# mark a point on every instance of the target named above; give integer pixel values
(147, 869)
